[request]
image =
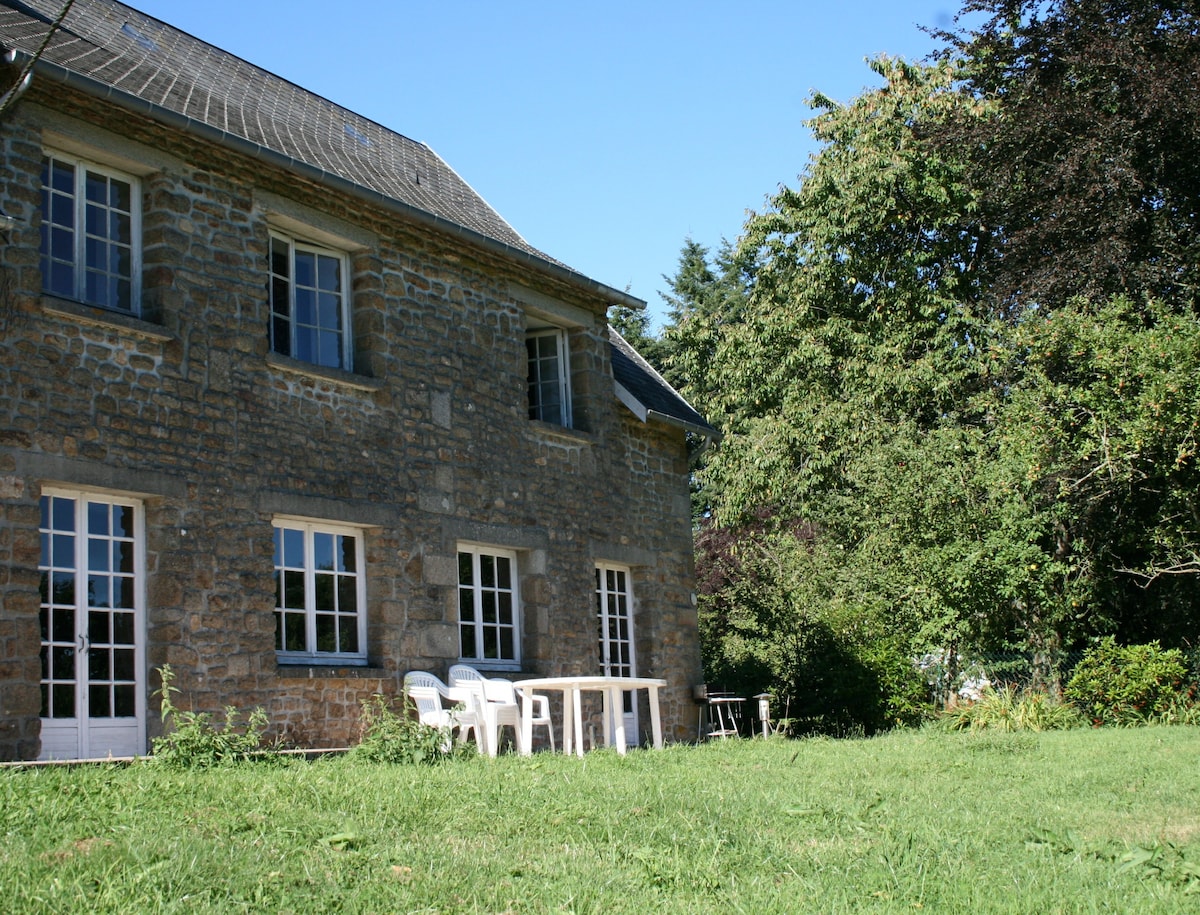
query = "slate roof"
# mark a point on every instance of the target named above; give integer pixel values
(136, 60)
(648, 394)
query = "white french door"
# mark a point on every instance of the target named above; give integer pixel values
(614, 616)
(92, 620)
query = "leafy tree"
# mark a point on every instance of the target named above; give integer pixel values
(1087, 162)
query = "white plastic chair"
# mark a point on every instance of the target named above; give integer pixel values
(427, 692)
(499, 707)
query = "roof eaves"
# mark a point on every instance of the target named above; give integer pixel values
(98, 89)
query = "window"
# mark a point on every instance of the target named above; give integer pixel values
(614, 617)
(320, 593)
(309, 303)
(549, 376)
(488, 605)
(90, 229)
(91, 569)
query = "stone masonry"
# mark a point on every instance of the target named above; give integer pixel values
(425, 444)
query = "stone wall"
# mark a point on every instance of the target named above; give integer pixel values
(425, 444)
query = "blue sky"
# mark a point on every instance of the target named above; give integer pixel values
(605, 133)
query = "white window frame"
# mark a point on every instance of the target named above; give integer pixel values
(475, 594)
(77, 204)
(285, 321)
(561, 357)
(310, 614)
(89, 558)
(614, 603)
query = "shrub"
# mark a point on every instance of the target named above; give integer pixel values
(1009, 709)
(1131, 684)
(398, 737)
(193, 741)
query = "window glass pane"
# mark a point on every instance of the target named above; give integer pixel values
(98, 515)
(347, 595)
(62, 700)
(62, 177)
(326, 632)
(123, 520)
(98, 555)
(348, 634)
(487, 571)
(349, 559)
(62, 216)
(98, 702)
(295, 632)
(507, 648)
(306, 344)
(505, 608)
(64, 588)
(97, 591)
(330, 350)
(62, 628)
(466, 605)
(97, 188)
(329, 273)
(61, 280)
(99, 664)
(121, 194)
(62, 662)
(306, 306)
(64, 551)
(279, 258)
(293, 548)
(124, 556)
(293, 597)
(329, 311)
(491, 644)
(323, 550)
(324, 596)
(98, 628)
(465, 569)
(122, 624)
(95, 220)
(504, 571)
(281, 339)
(306, 269)
(124, 701)
(468, 642)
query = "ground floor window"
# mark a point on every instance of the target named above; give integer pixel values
(91, 617)
(320, 589)
(488, 605)
(614, 618)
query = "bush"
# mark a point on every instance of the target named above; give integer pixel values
(193, 741)
(1009, 709)
(1131, 685)
(391, 737)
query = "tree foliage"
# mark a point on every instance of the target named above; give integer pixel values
(956, 366)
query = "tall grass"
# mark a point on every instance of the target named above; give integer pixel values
(1067, 821)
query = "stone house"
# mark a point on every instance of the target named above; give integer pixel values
(286, 405)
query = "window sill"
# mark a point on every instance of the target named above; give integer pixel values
(333, 376)
(560, 434)
(103, 317)
(302, 671)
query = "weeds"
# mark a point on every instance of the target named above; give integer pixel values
(391, 737)
(193, 741)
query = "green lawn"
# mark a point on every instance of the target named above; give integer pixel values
(1077, 821)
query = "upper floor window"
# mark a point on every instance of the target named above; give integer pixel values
(549, 376)
(310, 318)
(320, 593)
(91, 222)
(488, 605)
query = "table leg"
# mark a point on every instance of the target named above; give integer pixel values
(526, 712)
(577, 708)
(655, 718)
(616, 708)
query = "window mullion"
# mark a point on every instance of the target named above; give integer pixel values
(310, 591)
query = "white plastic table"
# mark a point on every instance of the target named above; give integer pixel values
(572, 688)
